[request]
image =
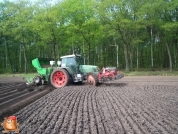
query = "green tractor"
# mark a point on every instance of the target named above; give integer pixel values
(70, 69)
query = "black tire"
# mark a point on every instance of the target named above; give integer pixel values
(59, 78)
(92, 79)
(37, 80)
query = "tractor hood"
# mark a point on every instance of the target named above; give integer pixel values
(88, 68)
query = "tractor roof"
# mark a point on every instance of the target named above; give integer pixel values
(73, 55)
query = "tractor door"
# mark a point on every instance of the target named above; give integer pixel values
(72, 64)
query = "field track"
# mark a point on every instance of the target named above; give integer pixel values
(15, 96)
(132, 105)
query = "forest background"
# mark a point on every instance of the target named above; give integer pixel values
(128, 34)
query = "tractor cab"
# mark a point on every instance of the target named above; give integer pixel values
(72, 62)
(75, 67)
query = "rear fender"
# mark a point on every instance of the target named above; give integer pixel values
(72, 75)
(67, 69)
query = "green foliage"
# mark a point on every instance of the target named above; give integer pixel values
(6, 70)
(91, 28)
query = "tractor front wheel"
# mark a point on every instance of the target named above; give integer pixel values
(59, 78)
(92, 79)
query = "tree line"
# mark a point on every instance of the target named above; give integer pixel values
(128, 34)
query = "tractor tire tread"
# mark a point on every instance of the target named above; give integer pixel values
(64, 71)
(95, 78)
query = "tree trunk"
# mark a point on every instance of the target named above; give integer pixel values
(89, 47)
(25, 56)
(175, 56)
(39, 53)
(152, 64)
(54, 44)
(126, 58)
(117, 49)
(104, 54)
(131, 57)
(83, 53)
(7, 55)
(123, 33)
(88, 53)
(169, 54)
(20, 58)
(137, 57)
(141, 57)
(54, 51)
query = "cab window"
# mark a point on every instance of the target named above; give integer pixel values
(71, 61)
(79, 60)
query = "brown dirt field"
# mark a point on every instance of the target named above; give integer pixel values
(8, 80)
(138, 105)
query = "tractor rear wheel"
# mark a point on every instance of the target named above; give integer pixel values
(92, 79)
(59, 78)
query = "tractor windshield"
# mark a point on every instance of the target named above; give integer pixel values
(68, 61)
(71, 61)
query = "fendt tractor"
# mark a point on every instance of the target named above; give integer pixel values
(70, 69)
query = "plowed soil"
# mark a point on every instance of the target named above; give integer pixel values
(132, 105)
